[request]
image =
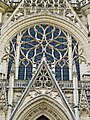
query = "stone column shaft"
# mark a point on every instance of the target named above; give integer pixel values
(10, 95)
(53, 63)
(34, 64)
(70, 56)
(75, 95)
(17, 56)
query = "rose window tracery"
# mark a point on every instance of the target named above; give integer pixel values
(43, 40)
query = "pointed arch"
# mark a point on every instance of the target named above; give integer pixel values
(22, 24)
(42, 105)
(52, 102)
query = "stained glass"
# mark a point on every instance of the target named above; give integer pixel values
(44, 40)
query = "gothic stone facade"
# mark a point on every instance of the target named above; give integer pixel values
(45, 60)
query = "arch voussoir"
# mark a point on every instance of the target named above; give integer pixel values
(42, 105)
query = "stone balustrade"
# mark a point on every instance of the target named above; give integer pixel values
(62, 84)
(21, 83)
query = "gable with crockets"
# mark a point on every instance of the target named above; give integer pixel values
(43, 83)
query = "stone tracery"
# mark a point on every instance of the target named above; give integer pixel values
(58, 47)
(33, 42)
(58, 7)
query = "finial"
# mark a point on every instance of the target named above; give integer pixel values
(13, 68)
(44, 58)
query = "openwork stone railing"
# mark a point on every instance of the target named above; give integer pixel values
(63, 84)
(21, 83)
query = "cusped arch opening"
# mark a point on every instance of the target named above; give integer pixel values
(42, 105)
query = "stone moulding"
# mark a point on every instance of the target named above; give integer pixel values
(23, 23)
(42, 105)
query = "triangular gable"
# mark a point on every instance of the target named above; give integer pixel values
(43, 82)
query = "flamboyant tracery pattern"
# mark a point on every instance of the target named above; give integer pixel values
(44, 40)
(43, 79)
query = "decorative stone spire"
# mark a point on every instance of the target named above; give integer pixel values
(75, 91)
(10, 91)
(13, 68)
(83, 100)
(3, 100)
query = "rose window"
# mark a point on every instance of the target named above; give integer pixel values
(58, 47)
